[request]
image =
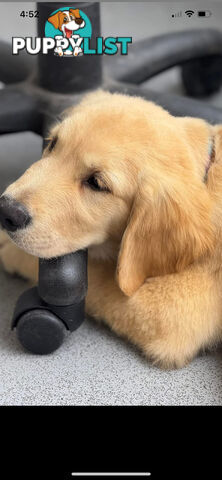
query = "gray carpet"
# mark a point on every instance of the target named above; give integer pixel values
(93, 366)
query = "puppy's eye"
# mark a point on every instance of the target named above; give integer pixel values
(95, 183)
(71, 17)
(65, 19)
(52, 144)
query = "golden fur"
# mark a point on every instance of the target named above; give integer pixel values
(154, 232)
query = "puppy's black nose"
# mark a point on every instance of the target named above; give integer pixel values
(79, 20)
(13, 215)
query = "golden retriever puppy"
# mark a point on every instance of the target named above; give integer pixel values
(142, 190)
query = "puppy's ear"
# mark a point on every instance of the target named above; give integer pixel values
(55, 19)
(75, 12)
(166, 232)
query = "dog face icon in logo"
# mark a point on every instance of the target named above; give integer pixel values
(67, 21)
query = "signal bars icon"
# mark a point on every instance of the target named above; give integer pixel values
(178, 14)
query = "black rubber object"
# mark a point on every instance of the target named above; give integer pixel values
(56, 305)
(71, 315)
(151, 56)
(70, 285)
(15, 68)
(202, 77)
(40, 331)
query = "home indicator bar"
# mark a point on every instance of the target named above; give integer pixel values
(111, 474)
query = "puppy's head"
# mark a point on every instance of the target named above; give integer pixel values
(67, 20)
(118, 171)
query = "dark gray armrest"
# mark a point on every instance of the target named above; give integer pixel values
(151, 56)
(14, 68)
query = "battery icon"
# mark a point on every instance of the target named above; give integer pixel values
(204, 13)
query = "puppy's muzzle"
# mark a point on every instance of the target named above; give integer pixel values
(13, 215)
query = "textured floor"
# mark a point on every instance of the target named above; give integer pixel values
(93, 367)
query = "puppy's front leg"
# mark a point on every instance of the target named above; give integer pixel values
(169, 318)
(58, 50)
(16, 261)
(77, 51)
(106, 302)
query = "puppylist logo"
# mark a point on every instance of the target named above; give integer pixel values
(69, 27)
(68, 32)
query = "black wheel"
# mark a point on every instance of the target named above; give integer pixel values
(202, 77)
(40, 331)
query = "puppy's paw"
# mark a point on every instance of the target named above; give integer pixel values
(17, 262)
(168, 356)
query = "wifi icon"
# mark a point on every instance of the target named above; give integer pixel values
(189, 13)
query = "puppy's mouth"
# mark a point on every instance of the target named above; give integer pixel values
(68, 32)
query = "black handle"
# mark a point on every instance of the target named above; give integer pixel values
(151, 56)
